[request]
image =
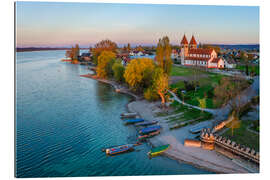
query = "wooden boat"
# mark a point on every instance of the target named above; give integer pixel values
(144, 137)
(150, 129)
(133, 121)
(128, 115)
(146, 123)
(119, 149)
(158, 150)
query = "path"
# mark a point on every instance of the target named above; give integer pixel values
(222, 113)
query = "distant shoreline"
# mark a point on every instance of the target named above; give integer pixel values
(28, 49)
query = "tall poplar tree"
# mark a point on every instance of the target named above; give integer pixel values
(163, 55)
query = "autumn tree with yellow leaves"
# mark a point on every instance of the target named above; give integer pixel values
(105, 63)
(138, 73)
(160, 83)
(163, 55)
(73, 54)
(104, 45)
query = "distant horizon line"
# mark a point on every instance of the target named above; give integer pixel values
(122, 45)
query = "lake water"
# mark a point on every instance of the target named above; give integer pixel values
(64, 120)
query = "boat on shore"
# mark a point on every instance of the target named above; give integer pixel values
(119, 149)
(150, 129)
(133, 121)
(158, 150)
(128, 115)
(196, 130)
(144, 137)
(146, 123)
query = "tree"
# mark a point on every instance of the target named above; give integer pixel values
(229, 92)
(160, 83)
(76, 53)
(138, 73)
(105, 62)
(233, 122)
(73, 53)
(104, 45)
(118, 71)
(244, 58)
(139, 48)
(163, 54)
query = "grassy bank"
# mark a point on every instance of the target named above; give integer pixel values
(183, 115)
(243, 136)
(255, 69)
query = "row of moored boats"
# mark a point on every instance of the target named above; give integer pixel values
(148, 129)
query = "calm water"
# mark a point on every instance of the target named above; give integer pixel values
(63, 121)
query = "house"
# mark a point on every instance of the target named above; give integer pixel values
(229, 63)
(86, 56)
(201, 57)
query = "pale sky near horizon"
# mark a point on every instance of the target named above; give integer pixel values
(58, 24)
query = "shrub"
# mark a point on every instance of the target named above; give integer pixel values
(150, 95)
(189, 86)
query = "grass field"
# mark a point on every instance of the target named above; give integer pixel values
(255, 68)
(206, 84)
(243, 136)
(182, 71)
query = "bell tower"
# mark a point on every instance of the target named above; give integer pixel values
(192, 43)
(184, 49)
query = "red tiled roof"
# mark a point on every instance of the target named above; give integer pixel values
(193, 41)
(184, 40)
(215, 60)
(200, 51)
(197, 58)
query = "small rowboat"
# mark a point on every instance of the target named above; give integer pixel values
(146, 123)
(132, 121)
(119, 149)
(143, 137)
(128, 115)
(196, 130)
(158, 150)
(150, 129)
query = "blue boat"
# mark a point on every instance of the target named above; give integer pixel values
(197, 129)
(132, 121)
(149, 129)
(146, 123)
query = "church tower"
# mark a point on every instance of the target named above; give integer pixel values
(184, 49)
(192, 43)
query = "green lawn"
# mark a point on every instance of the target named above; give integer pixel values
(253, 68)
(243, 136)
(182, 71)
(206, 90)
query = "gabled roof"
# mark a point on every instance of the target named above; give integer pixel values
(193, 41)
(184, 40)
(215, 60)
(200, 51)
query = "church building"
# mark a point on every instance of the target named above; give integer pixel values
(202, 57)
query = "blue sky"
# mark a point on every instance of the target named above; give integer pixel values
(64, 24)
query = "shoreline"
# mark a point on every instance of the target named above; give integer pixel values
(196, 157)
(118, 88)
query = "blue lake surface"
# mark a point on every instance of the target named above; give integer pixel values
(64, 120)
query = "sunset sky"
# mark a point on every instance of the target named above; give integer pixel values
(43, 24)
